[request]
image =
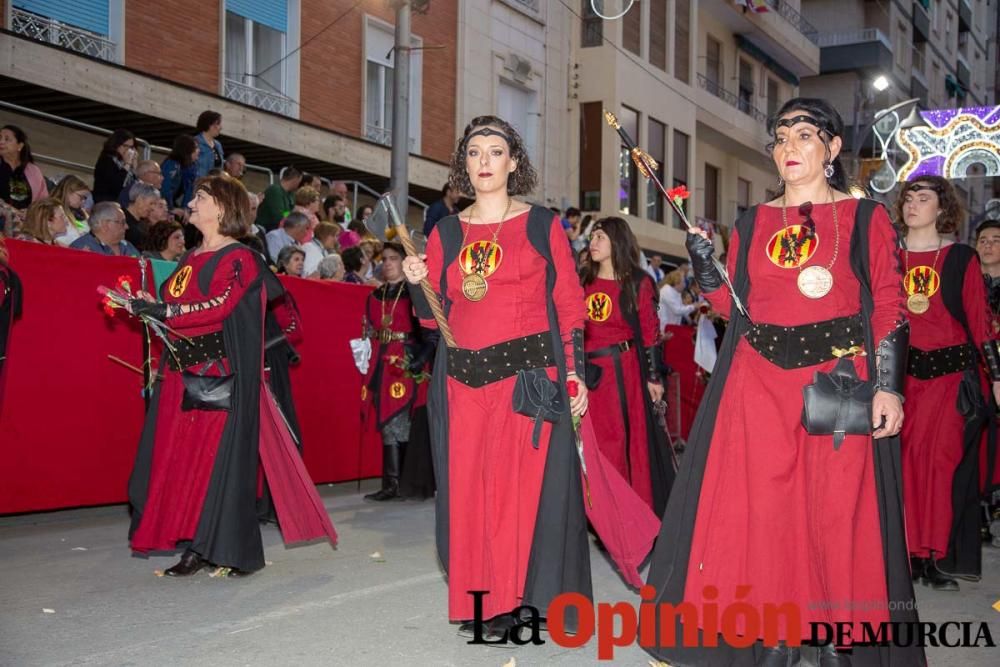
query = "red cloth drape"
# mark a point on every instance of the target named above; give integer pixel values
(70, 418)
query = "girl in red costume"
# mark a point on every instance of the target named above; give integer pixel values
(763, 512)
(510, 513)
(194, 484)
(950, 326)
(623, 361)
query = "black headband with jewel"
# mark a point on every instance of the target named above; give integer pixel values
(917, 187)
(487, 132)
(802, 118)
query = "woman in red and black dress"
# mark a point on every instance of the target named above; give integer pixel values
(510, 513)
(195, 479)
(945, 402)
(621, 339)
(762, 510)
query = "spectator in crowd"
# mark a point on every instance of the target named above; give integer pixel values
(445, 206)
(236, 165)
(355, 264)
(43, 222)
(330, 268)
(142, 199)
(146, 171)
(307, 203)
(114, 170)
(335, 209)
(21, 181)
(160, 212)
(210, 155)
(574, 232)
(322, 244)
(655, 268)
(363, 213)
(291, 233)
(672, 309)
(348, 238)
(165, 241)
(107, 232)
(72, 192)
(278, 199)
(340, 188)
(180, 171)
(290, 259)
(314, 181)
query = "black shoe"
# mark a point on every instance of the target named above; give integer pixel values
(829, 656)
(391, 467)
(778, 656)
(467, 629)
(917, 567)
(390, 491)
(937, 579)
(189, 563)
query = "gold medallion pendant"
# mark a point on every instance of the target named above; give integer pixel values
(918, 303)
(815, 282)
(386, 320)
(474, 287)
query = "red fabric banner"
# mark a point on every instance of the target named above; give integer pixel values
(70, 417)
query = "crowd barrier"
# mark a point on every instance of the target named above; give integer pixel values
(70, 416)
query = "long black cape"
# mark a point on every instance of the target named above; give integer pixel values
(559, 560)
(670, 561)
(227, 533)
(10, 307)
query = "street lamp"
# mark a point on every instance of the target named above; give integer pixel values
(880, 83)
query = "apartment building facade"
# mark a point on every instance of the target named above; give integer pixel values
(297, 81)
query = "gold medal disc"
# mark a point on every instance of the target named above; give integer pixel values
(474, 287)
(815, 282)
(386, 320)
(918, 303)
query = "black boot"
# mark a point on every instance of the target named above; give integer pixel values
(917, 567)
(189, 563)
(937, 579)
(829, 656)
(778, 656)
(390, 475)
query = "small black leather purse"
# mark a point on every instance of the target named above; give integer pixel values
(537, 397)
(207, 392)
(592, 374)
(838, 403)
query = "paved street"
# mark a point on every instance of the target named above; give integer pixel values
(310, 606)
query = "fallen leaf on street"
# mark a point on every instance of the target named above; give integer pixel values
(78, 549)
(510, 663)
(377, 557)
(158, 573)
(46, 610)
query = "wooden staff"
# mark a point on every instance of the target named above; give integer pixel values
(432, 298)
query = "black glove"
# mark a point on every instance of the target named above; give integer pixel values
(705, 272)
(654, 362)
(890, 359)
(992, 357)
(423, 352)
(579, 356)
(155, 309)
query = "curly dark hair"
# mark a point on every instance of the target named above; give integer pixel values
(952, 213)
(832, 125)
(521, 182)
(160, 233)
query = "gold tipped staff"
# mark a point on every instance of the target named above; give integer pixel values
(647, 167)
(432, 298)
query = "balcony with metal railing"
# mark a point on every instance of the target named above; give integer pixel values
(792, 15)
(730, 98)
(383, 136)
(44, 29)
(849, 50)
(255, 97)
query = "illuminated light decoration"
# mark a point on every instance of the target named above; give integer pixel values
(955, 140)
(611, 10)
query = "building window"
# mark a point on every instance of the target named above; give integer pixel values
(632, 29)
(593, 26)
(255, 56)
(711, 193)
(658, 34)
(742, 196)
(948, 21)
(591, 131)
(84, 26)
(657, 148)
(379, 75)
(682, 40)
(746, 86)
(519, 107)
(628, 190)
(681, 154)
(713, 64)
(772, 96)
(901, 44)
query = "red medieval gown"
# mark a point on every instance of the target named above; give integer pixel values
(782, 512)
(195, 479)
(932, 436)
(620, 421)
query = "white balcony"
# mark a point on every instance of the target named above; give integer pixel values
(255, 97)
(47, 30)
(383, 135)
(850, 37)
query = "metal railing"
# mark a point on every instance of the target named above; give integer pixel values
(731, 99)
(919, 62)
(255, 97)
(798, 22)
(848, 37)
(383, 136)
(48, 30)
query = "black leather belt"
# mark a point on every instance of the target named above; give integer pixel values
(478, 368)
(617, 348)
(197, 350)
(806, 344)
(935, 363)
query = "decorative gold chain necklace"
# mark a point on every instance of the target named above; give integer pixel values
(815, 282)
(918, 302)
(387, 319)
(474, 283)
